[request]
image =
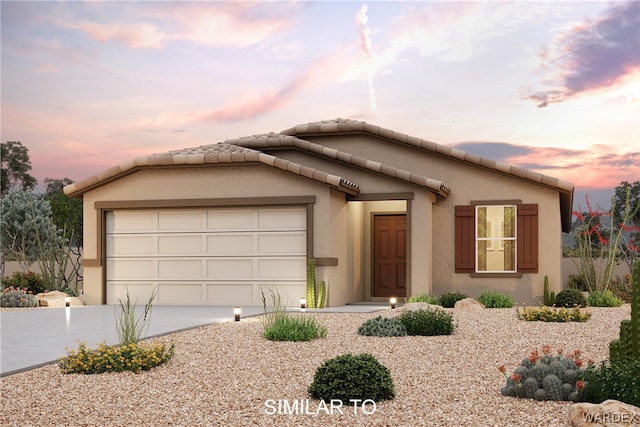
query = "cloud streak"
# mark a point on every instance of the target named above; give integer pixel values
(592, 56)
(365, 44)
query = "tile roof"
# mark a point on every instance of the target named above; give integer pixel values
(272, 140)
(209, 154)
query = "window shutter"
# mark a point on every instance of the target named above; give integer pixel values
(465, 235)
(528, 238)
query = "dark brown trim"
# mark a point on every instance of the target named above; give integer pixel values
(91, 262)
(381, 196)
(326, 262)
(495, 202)
(496, 275)
(204, 203)
(309, 208)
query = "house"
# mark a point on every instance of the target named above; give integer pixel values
(382, 214)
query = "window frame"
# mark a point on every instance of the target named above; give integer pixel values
(495, 243)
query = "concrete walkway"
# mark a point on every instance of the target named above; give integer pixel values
(31, 338)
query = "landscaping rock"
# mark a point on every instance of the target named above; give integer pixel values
(610, 413)
(468, 304)
(418, 306)
(56, 299)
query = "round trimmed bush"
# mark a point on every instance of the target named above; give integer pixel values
(570, 298)
(449, 299)
(350, 377)
(427, 322)
(604, 299)
(383, 327)
(492, 299)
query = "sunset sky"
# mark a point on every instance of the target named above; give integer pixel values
(550, 86)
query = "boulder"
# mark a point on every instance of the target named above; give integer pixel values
(418, 306)
(468, 304)
(56, 299)
(610, 413)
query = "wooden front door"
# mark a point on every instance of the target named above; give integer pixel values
(390, 255)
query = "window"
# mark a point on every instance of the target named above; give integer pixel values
(496, 237)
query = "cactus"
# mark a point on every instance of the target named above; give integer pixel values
(549, 298)
(311, 283)
(322, 294)
(530, 386)
(553, 386)
(628, 345)
(12, 297)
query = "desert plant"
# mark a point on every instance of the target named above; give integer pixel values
(15, 297)
(570, 298)
(548, 297)
(627, 347)
(316, 294)
(543, 376)
(429, 299)
(492, 299)
(427, 322)
(133, 357)
(618, 379)
(577, 281)
(449, 299)
(30, 281)
(621, 287)
(280, 326)
(349, 377)
(553, 314)
(383, 327)
(604, 299)
(129, 326)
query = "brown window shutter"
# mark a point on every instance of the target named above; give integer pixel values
(528, 238)
(465, 236)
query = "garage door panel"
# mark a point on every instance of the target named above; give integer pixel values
(281, 219)
(285, 268)
(230, 269)
(230, 293)
(130, 269)
(289, 292)
(131, 221)
(172, 269)
(180, 221)
(282, 243)
(230, 244)
(179, 293)
(230, 219)
(180, 244)
(129, 245)
(139, 292)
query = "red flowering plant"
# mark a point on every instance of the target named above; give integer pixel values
(603, 238)
(545, 376)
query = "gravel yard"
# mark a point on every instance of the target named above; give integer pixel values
(228, 375)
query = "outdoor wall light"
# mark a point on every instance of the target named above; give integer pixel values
(303, 304)
(236, 313)
(67, 301)
(393, 302)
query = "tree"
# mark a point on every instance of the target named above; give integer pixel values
(14, 159)
(66, 211)
(23, 217)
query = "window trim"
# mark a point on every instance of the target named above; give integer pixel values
(496, 241)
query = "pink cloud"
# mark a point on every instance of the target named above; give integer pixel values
(592, 56)
(141, 35)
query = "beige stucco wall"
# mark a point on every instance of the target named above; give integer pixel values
(222, 182)
(468, 183)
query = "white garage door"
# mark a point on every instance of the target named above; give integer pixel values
(206, 257)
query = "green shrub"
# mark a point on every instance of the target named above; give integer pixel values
(570, 298)
(491, 299)
(619, 380)
(429, 299)
(449, 299)
(553, 314)
(383, 327)
(348, 377)
(283, 327)
(30, 281)
(12, 297)
(427, 322)
(604, 299)
(133, 357)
